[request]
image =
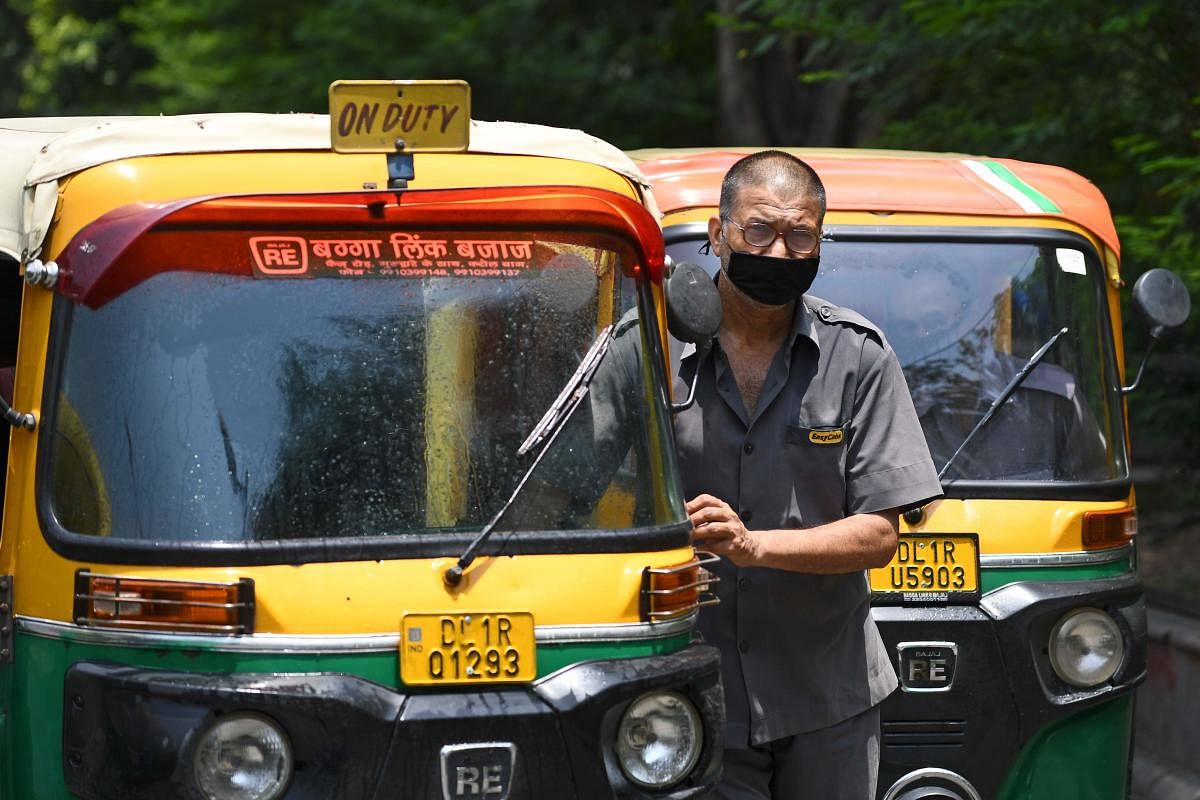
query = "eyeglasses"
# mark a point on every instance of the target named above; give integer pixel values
(760, 234)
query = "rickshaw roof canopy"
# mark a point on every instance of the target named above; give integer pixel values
(891, 181)
(40, 151)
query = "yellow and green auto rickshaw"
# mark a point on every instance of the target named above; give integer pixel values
(1012, 608)
(301, 500)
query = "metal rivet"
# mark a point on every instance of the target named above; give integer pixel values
(77, 700)
(75, 758)
(826, 312)
(4, 653)
(3, 608)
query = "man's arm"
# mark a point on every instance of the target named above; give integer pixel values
(858, 542)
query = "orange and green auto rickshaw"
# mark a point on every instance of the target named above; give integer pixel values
(297, 501)
(1012, 608)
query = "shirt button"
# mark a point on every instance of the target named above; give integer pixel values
(743, 583)
(746, 515)
(748, 448)
(744, 646)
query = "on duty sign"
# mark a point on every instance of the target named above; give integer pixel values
(427, 116)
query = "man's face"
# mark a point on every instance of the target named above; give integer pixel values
(781, 210)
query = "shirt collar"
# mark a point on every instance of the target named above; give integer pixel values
(803, 324)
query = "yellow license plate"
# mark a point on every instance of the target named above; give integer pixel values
(370, 116)
(443, 649)
(931, 568)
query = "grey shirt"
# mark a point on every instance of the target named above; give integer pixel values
(834, 434)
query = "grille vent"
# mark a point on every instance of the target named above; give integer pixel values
(924, 733)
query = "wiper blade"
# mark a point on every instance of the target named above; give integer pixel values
(543, 434)
(574, 391)
(1017, 380)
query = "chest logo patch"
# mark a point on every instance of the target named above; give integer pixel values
(825, 437)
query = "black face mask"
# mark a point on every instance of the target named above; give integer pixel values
(771, 280)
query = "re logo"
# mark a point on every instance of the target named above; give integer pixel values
(929, 669)
(482, 771)
(482, 781)
(279, 255)
(926, 666)
(825, 437)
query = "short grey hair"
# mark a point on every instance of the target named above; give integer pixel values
(767, 165)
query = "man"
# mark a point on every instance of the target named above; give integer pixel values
(798, 455)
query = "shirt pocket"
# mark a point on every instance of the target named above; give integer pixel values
(816, 458)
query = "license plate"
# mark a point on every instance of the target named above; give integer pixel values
(370, 116)
(930, 568)
(443, 649)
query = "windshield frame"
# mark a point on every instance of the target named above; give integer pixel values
(1111, 489)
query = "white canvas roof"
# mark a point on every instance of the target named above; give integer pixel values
(36, 152)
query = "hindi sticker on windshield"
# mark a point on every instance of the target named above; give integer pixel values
(399, 254)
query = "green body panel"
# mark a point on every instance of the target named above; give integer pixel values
(6, 754)
(1084, 757)
(995, 577)
(31, 689)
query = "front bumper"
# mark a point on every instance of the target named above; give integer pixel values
(130, 732)
(1004, 691)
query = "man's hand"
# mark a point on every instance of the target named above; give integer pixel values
(717, 527)
(858, 542)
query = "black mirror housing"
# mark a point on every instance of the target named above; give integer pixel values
(1162, 300)
(693, 304)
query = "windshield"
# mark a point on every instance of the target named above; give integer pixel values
(199, 406)
(964, 317)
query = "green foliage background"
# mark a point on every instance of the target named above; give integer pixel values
(1107, 88)
(605, 68)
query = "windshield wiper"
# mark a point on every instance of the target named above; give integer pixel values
(543, 434)
(1017, 380)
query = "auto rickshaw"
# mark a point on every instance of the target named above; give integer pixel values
(302, 496)
(1013, 607)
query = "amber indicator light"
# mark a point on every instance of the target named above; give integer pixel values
(672, 592)
(1109, 528)
(114, 601)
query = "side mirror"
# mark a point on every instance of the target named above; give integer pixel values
(693, 304)
(693, 314)
(1162, 300)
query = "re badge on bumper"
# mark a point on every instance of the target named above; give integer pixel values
(480, 771)
(926, 666)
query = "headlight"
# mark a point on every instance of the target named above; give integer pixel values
(1086, 647)
(659, 739)
(243, 757)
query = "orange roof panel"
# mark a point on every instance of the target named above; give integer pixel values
(897, 181)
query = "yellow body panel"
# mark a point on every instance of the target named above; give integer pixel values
(1015, 526)
(355, 597)
(19, 511)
